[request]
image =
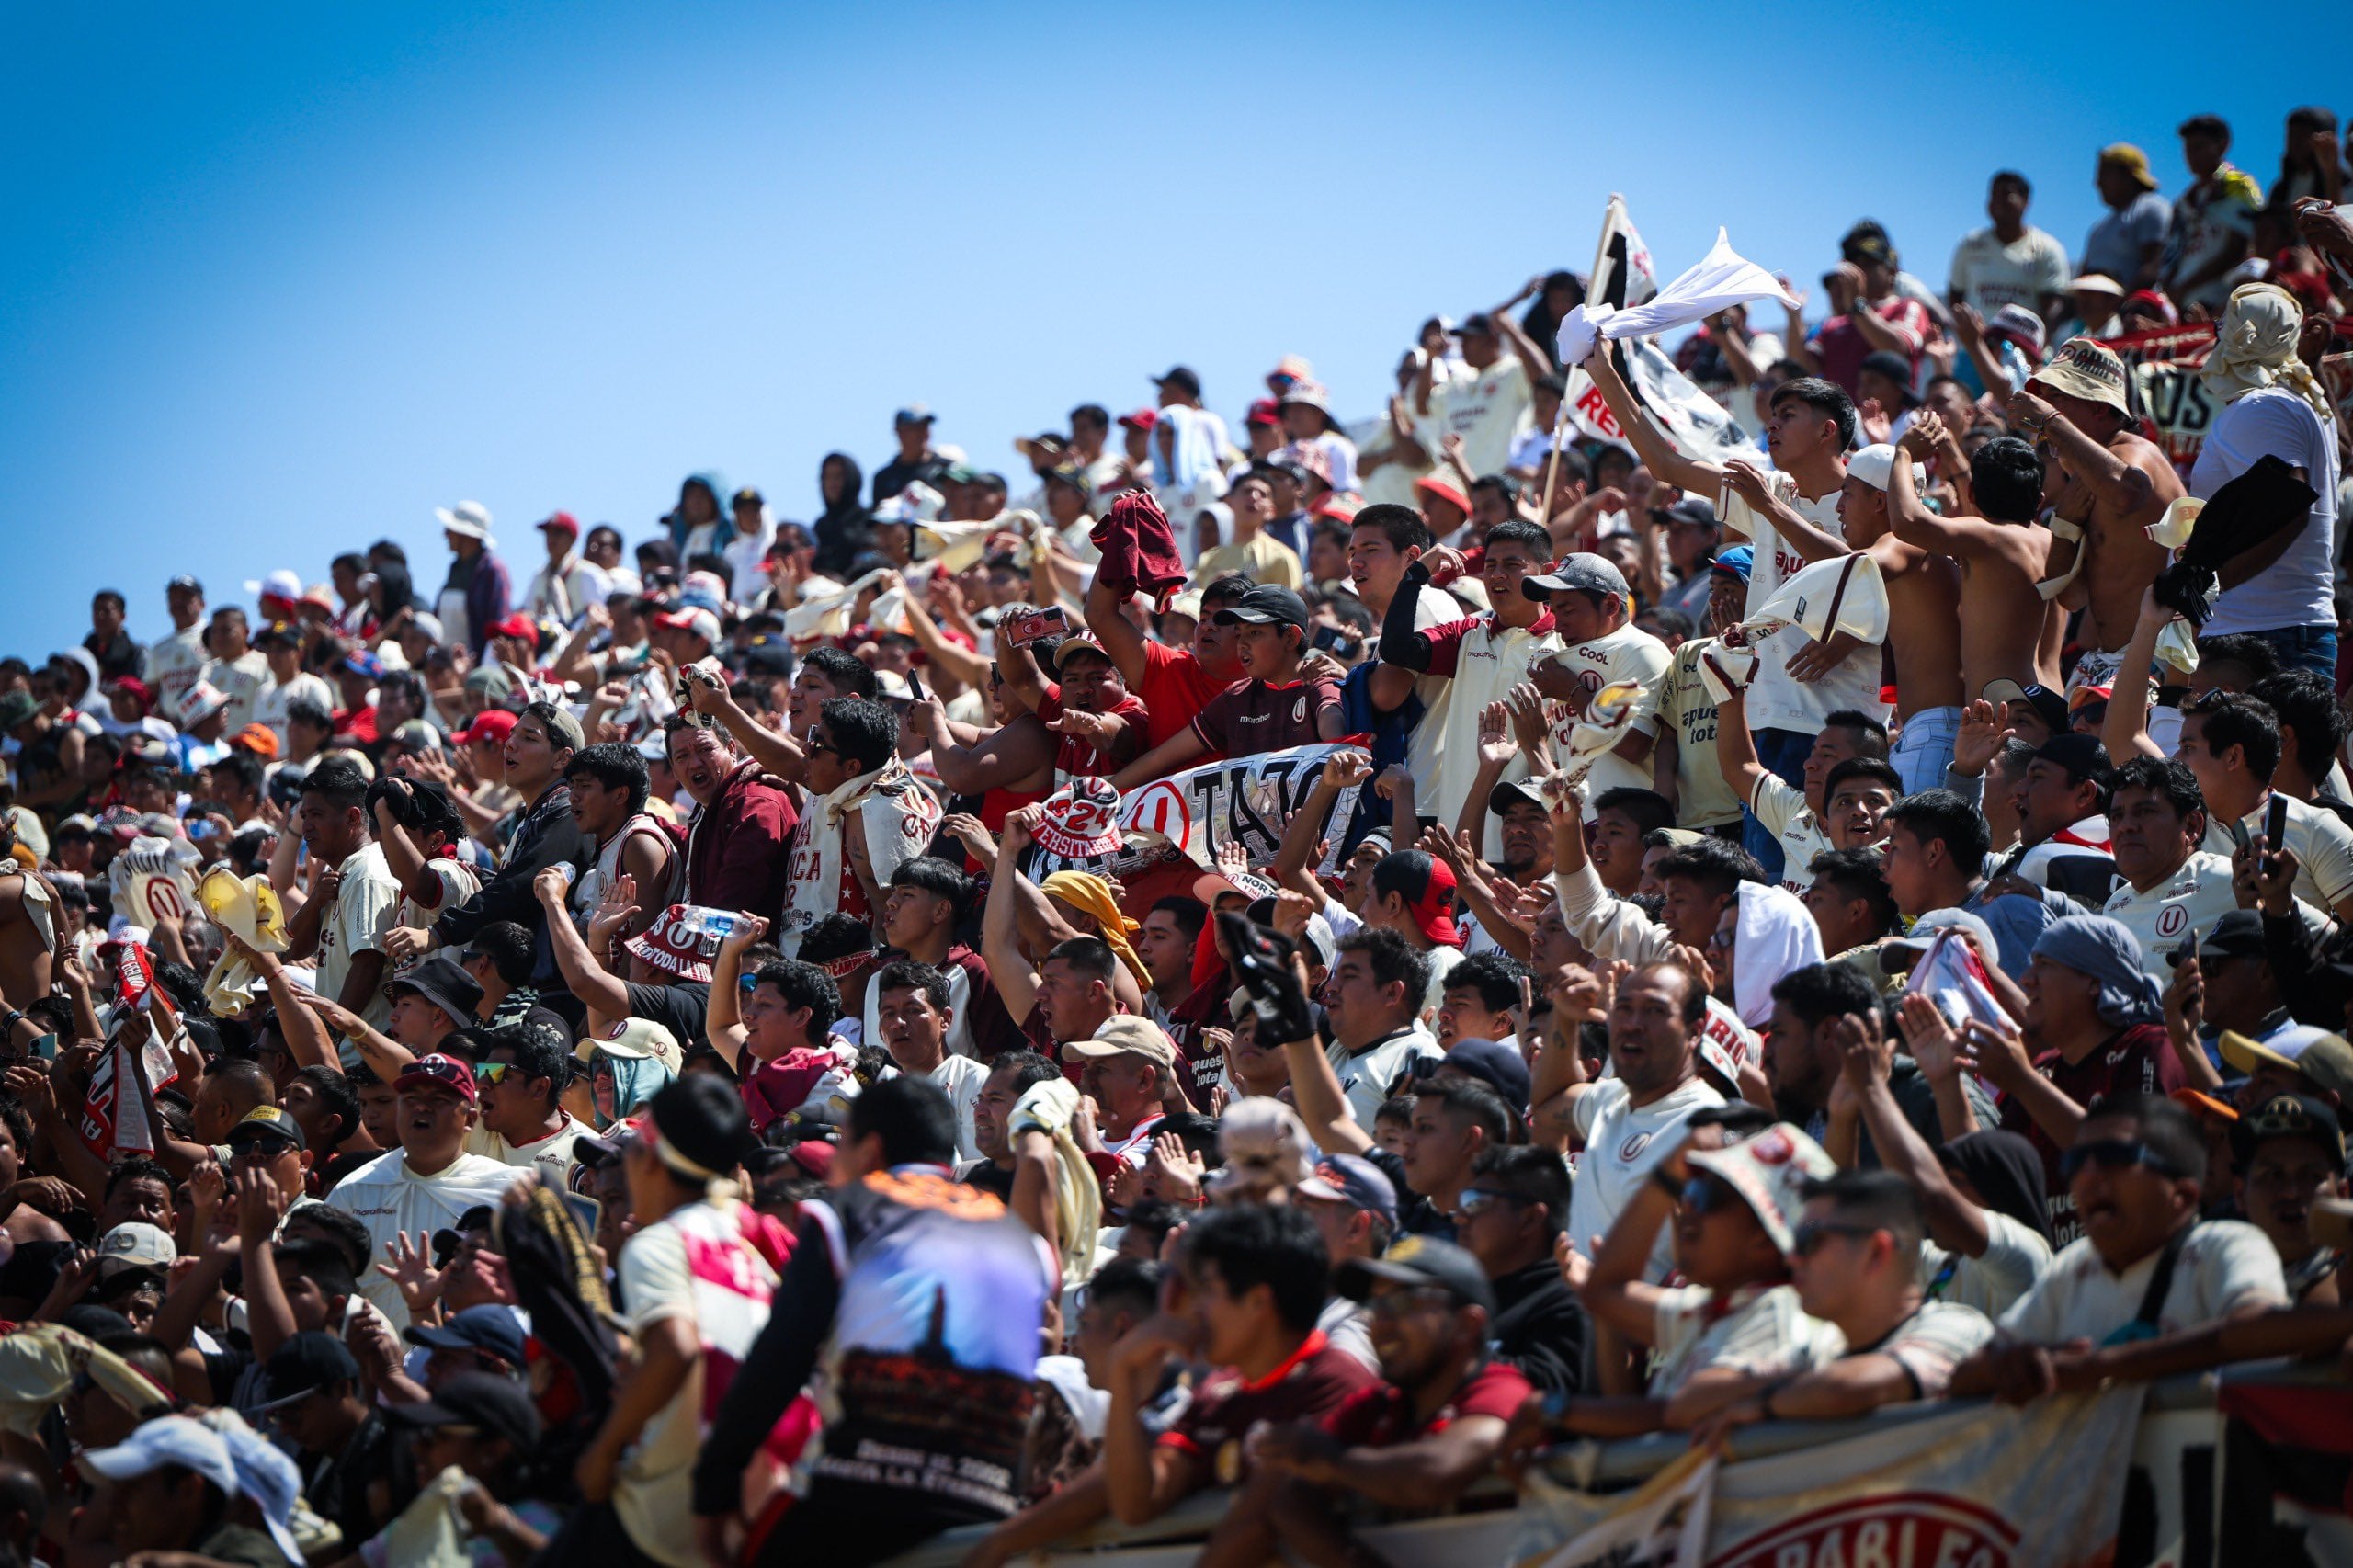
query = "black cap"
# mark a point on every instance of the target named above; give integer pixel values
(305, 1363)
(701, 1119)
(1696, 510)
(2236, 934)
(1478, 324)
(185, 584)
(496, 1405)
(1420, 1261)
(2048, 706)
(1493, 1062)
(490, 1328)
(2082, 756)
(443, 982)
(1263, 603)
(2291, 1115)
(1895, 367)
(1181, 375)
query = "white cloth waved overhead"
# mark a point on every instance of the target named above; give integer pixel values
(1724, 278)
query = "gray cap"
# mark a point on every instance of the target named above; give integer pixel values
(1592, 574)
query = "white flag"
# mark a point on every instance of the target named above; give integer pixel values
(1724, 278)
(1622, 273)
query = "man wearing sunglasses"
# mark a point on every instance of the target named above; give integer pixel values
(2147, 1274)
(1509, 1217)
(522, 1078)
(1855, 1255)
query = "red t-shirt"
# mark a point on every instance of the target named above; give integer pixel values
(1077, 757)
(2137, 1061)
(1250, 716)
(1173, 688)
(1381, 1416)
(1841, 346)
(1312, 1384)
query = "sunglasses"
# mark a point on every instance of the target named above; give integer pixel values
(1807, 1239)
(1394, 1305)
(1478, 1201)
(1706, 1195)
(2114, 1155)
(492, 1072)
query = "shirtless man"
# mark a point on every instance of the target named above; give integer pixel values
(2114, 484)
(2001, 554)
(1923, 599)
(28, 927)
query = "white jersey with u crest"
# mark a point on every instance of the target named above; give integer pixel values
(1622, 1143)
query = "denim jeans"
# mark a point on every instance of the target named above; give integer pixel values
(1782, 753)
(2309, 648)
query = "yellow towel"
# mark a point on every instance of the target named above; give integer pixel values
(1050, 1107)
(1085, 889)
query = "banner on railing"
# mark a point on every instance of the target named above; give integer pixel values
(1990, 1487)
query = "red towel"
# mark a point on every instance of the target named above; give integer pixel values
(1138, 548)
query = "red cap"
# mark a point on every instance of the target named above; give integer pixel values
(1142, 418)
(518, 626)
(1263, 411)
(492, 724)
(135, 688)
(446, 1070)
(560, 522)
(1433, 907)
(1433, 485)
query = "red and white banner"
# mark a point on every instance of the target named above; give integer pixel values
(2042, 1487)
(2160, 373)
(114, 1114)
(1243, 799)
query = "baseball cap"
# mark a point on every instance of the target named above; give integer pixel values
(2050, 707)
(1696, 510)
(494, 684)
(1126, 1035)
(1142, 419)
(2132, 160)
(1492, 1062)
(1478, 324)
(304, 1363)
(1209, 887)
(1583, 571)
(2082, 756)
(2097, 283)
(1353, 1180)
(1265, 411)
(494, 1405)
(1896, 369)
(639, 1039)
(278, 585)
(2291, 1115)
(694, 620)
(1321, 945)
(2019, 324)
(1771, 1172)
(1264, 604)
(264, 1123)
(2323, 1057)
(259, 739)
(2236, 934)
(490, 1328)
(135, 1245)
(1179, 375)
(447, 1071)
(914, 413)
(1512, 792)
(365, 663)
(276, 634)
(200, 702)
(1875, 466)
(1420, 1262)
(442, 981)
(168, 1439)
(1924, 928)
(267, 1478)
(492, 724)
(518, 626)
(467, 519)
(184, 584)
(1078, 643)
(1737, 562)
(1445, 490)
(1426, 884)
(559, 523)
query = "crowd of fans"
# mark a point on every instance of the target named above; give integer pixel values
(688, 1053)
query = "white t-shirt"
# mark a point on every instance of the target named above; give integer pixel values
(1989, 273)
(367, 903)
(172, 667)
(241, 680)
(1365, 1076)
(1775, 700)
(961, 1077)
(2295, 589)
(1782, 807)
(1622, 1143)
(275, 697)
(692, 1264)
(388, 1198)
(1489, 411)
(1442, 961)
(551, 1156)
(1764, 1332)
(1931, 1343)
(2192, 899)
(2323, 845)
(1631, 655)
(2016, 1257)
(2225, 1265)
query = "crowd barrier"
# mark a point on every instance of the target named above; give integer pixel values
(2170, 1515)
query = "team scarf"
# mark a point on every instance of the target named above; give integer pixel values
(900, 817)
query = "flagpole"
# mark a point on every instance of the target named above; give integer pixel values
(1560, 416)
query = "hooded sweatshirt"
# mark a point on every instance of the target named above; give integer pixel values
(737, 847)
(845, 529)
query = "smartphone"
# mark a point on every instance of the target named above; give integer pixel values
(45, 1047)
(1333, 639)
(2187, 951)
(1024, 630)
(2275, 825)
(585, 1212)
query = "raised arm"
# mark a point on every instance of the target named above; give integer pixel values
(1747, 480)
(1117, 634)
(2124, 729)
(723, 1019)
(953, 657)
(1177, 752)
(1323, 1104)
(1614, 1292)
(1310, 824)
(2118, 484)
(1954, 1222)
(1736, 748)
(774, 750)
(1658, 454)
(1960, 538)
(598, 988)
(1015, 982)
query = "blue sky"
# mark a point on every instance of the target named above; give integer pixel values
(284, 278)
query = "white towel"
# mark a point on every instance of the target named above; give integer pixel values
(1724, 278)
